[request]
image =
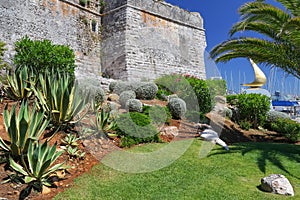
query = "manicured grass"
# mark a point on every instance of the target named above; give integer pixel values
(222, 175)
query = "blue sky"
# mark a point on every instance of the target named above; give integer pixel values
(219, 16)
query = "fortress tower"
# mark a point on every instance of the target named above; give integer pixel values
(125, 39)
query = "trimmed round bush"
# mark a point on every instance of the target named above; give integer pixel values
(112, 86)
(273, 116)
(146, 91)
(228, 112)
(134, 105)
(177, 108)
(125, 96)
(99, 95)
(93, 86)
(122, 86)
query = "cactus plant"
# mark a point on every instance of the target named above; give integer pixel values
(177, 107)
(112, 86)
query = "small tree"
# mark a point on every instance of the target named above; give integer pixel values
(253, 108)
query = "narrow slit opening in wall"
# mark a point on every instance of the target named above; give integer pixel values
(94, 25)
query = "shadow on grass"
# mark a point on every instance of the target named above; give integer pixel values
(271, 152)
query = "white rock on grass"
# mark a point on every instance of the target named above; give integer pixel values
(278, 184)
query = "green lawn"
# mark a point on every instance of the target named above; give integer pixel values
(222, 175)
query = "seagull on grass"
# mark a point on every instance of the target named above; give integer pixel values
(208, 134)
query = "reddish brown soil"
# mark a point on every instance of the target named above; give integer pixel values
(231, 133)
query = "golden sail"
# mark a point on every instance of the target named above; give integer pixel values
(260, 77)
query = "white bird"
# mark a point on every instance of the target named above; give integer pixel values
(208, 134)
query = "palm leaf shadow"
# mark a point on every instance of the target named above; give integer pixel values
(267, 152)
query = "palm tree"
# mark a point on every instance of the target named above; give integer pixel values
(280, 45)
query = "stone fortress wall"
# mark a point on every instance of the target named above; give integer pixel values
(61, 21)
(131, 40)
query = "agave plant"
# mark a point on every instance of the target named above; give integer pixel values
(60, 98)
(22, 127)
(37, 167)
(19, 84)
(70, 140)
(104, 122)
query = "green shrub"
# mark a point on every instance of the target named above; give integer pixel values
(134, 105)
(135, 128)
(231, 99)
(216, 87)
(228, 112)
(288, 128)
(44, 55)
(122, 86)
(273, 116)
(146, 91)
(253, 108)
(177, 108)
(93, 87)
(3, 65)
(158, 114)
(193, 91)
(125, 96)
(245, 125)
(195, 116)
(112, 86)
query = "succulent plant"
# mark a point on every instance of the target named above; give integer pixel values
(122, 86)
(125, 96)
(177, 107)
(112, 86)
(134, 105)
(273, 116)
(146, 91)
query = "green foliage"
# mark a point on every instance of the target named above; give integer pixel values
(134, 105)
(19, 84)
(74, 152)
(216, 87)
(70, 140)
(125, 96)
(146, 91)
(288, 128)
(177, 108)
(95, 91)
(228, 112)
(245, 125)
(231, 99)
(194, 116)
(112, 86)
(122, 86)
(193, 91)
(253, 108)
(37, 169)
(2, 50)
(135, 128)
(61, 99)
(22, 127)
(278, 43)
(104, 123)
(273, 116)
(44, 55)
(158, 114)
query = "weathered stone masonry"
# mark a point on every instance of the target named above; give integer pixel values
(61, 21)
(140, 40)
(143, 39)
